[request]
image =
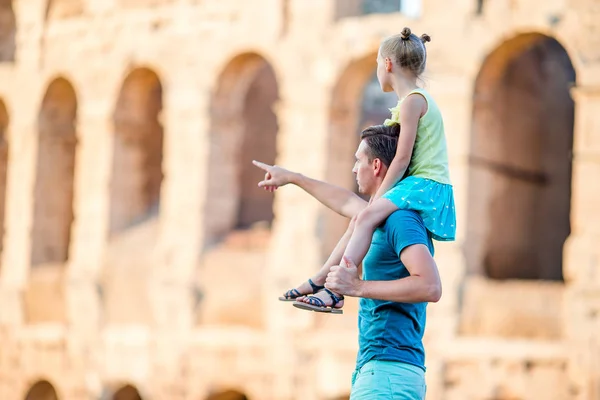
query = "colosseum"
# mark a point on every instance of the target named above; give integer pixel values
(140, 261)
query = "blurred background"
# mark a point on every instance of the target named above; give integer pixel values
(140, 261)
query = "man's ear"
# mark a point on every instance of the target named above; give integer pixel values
(377, 166)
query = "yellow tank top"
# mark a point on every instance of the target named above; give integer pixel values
(430, 154)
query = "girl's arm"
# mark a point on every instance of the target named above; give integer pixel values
(411, 110)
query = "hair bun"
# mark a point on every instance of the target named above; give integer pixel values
(425, 38)
(405, 34)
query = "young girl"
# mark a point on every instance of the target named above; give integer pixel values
(421, 155)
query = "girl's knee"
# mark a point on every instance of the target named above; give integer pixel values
(367, 218)
(376, 213)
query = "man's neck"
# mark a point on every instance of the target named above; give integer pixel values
(375, 189)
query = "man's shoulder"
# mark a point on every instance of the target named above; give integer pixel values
(403, 217)
(403, 226)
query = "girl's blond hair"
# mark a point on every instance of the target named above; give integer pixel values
(407, 50)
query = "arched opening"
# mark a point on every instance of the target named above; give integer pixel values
(520, 174)
(479, 7)
(352, 8)
(138, 150)
(3, 167)
(228, 395)
(248, 89)
(8, 28)
(237, 214)
(42, 390)
(127, 392)
(357, 102)
(53, 196)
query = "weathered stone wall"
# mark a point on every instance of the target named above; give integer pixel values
(139, 261)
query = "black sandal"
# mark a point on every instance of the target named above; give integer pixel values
(293, 294)
(318, 305)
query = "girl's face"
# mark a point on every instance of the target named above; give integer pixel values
(384, 72)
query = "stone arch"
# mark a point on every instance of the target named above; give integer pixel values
(520, 174)
(357, 102)
(41, 390)
(127, 392)
(4, 121)
(8, 30)
(137, 174)
(55, 169)
(243, 127)
(228, 395)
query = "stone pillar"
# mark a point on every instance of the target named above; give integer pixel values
(453, 93)
(91, 206)
(30, 34)
(582, 251)
(172, 283)
(295, 252)
(180, 241)
(20, 182)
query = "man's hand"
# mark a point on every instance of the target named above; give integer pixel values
(274, 176)
(343, 279)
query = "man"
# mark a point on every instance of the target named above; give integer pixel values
(399, 275)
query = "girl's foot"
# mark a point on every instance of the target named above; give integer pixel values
(324, 301)
(305, 288)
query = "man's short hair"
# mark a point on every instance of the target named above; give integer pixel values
(382, 141)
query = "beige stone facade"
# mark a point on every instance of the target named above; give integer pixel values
(139, 260)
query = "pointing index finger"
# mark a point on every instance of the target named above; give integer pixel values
(263, 166)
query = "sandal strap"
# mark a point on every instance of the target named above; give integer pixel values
(336, 299)
(315, 301)
(315, 288)
(292, 294)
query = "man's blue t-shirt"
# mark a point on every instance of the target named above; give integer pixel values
(389, 331)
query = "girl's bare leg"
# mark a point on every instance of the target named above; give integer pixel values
(359, 242)
(366, 223)
(335, 258)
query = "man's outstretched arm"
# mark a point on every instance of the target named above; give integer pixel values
(340, 200)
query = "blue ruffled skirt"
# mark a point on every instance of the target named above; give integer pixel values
(433, 200)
